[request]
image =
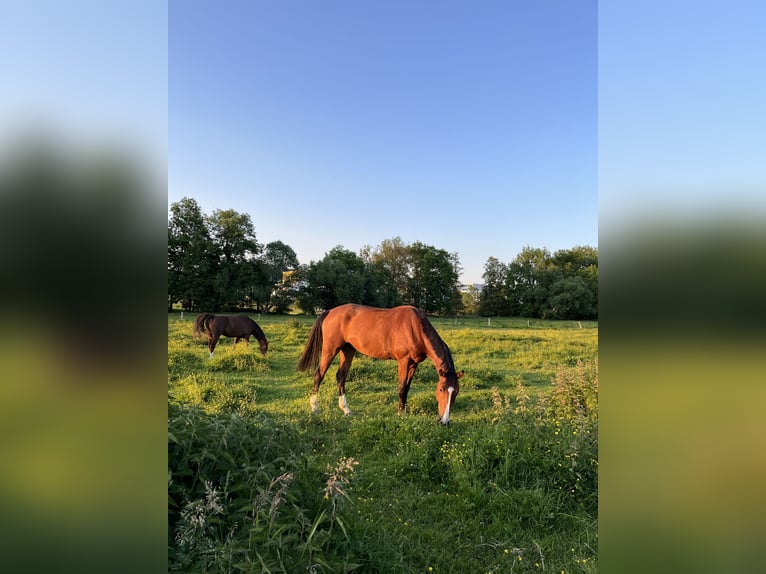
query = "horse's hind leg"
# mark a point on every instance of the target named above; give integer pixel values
(406, 371)
(212, 342)
(346, 356)
(319, 374)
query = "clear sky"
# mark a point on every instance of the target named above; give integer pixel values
(469, 126)
(682, 100)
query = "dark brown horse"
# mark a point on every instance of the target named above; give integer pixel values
(238, 326)
(401, 333)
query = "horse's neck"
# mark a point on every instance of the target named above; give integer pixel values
(258, 334)
(436, 350)
(441, 363)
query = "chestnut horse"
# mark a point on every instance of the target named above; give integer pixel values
(238, 326)
(402, 333)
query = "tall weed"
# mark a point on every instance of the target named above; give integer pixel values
(243, 499)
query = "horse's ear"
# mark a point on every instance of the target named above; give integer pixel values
(460, 374)
(442, 373)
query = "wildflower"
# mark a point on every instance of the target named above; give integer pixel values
(284, 481)
(211, 499)
(337, 477)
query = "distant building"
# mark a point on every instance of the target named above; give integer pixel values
(465, 286)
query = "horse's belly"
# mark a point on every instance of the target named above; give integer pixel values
(374, 352)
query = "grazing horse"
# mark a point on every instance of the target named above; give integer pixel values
(402, 333)
(238, 326)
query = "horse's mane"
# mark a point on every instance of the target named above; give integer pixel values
(438, 344)
(259, 334)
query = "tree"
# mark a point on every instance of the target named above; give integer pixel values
(191, 257)
(237, 248)
(336, 279)
(433, 282)
(471, 299)
(527, 281)
(581, 261)
(569, 298)
(493, 300)
(277, 259)
(392, 262)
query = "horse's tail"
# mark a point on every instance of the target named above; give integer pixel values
(200, 324)
(313, 351)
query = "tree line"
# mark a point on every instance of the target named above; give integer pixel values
(537, 284)
(215, 263)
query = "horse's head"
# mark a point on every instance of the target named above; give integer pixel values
(264, 345)
(446, 391)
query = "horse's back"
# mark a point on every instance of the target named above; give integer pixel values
(376, 332)
(237, 325)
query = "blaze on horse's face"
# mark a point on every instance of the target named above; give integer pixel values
(264, 347)
(446, 391)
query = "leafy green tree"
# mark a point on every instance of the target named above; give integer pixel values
(336, 279)
(285, 293)
(392, 262)
(237, 249)
(581, 261)
(433, 282)
(528, 280)
(276, 259)
(471, 300)
(192, 258)
(379, 290)
(493, 300)
(569, 298)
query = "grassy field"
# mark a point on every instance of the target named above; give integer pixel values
(259, 484)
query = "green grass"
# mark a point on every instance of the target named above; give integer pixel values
(509, 486)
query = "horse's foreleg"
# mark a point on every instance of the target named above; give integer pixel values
(346, 356)
(406, 371)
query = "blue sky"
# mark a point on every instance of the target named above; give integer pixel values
(682, 120)
(86, 72)
(468, 126)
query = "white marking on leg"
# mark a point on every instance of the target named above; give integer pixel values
(445, 416)
(211, 355)
(313, 402)
(343, 404)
